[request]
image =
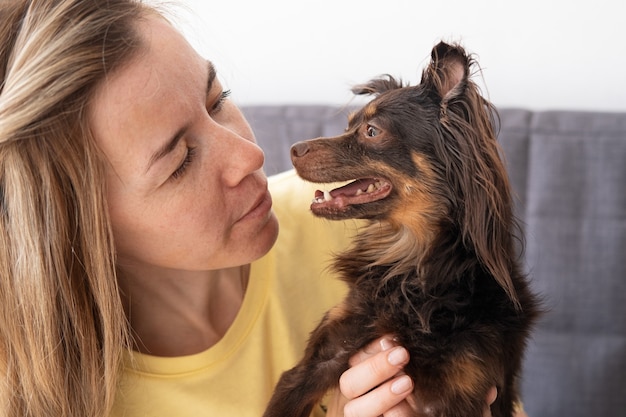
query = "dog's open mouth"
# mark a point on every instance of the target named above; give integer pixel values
(361, 191)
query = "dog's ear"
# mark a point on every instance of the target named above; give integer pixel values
(473, 162)
(447, 74)
(377, 86)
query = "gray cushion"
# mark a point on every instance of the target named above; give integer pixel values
(576, 235)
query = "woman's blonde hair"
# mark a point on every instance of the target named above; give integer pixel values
(62, 324)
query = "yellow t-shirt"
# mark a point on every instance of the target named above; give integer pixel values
(289, 290)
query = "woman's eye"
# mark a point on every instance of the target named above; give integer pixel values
(217, 106)
(183, 166)
(372, 131)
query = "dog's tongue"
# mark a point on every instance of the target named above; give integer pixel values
(354, 187)
(361, 191)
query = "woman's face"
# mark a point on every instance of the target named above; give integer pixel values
(186, 190)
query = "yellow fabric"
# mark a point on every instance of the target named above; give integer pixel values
(289, 290)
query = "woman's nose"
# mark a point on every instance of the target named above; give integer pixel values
(243, 157)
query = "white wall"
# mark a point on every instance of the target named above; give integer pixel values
(536, 54)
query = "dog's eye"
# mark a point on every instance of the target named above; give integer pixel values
(372, 131)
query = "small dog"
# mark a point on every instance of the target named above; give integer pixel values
(437, 264)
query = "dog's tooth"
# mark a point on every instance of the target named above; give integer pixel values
(327, 196)
(370, 188)
(378, 184)
(359, 192)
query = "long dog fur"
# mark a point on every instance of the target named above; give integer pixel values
(437, 266)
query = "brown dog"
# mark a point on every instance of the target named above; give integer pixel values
(437, 265)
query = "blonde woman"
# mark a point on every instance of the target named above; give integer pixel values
(140, 271)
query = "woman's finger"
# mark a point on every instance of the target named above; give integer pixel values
(379, 345)
(373, 371)
(491, 397)
(387, 399)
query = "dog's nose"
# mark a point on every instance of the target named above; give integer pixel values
(299, 149)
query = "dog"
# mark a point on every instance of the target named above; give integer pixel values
(437, 264)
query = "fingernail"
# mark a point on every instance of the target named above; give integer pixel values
(401, 385)
(398, 356)
(386, 344)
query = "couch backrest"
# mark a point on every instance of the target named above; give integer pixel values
(568, 170)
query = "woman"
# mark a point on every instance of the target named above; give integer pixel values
(136, 224)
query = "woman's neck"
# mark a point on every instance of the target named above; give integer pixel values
(177, 313)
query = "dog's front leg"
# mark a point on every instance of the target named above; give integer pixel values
(299, 390)
(326, 357)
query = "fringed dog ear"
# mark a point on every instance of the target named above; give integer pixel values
(446, 76)
(473, 162)
(378, 86)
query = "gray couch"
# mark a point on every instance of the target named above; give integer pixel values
(569, 172)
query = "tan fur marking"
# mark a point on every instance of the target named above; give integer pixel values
(420, 161)
(370, 110)
(406, 235)
(466, 374)
(337, 312)
(419, 205)
(463, 376)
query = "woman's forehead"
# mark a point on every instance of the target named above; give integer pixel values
(149, 98)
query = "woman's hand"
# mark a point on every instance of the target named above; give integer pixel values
(375, 385)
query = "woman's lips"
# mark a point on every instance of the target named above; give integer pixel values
(260, 208)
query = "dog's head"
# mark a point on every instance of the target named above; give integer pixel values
(422, 157)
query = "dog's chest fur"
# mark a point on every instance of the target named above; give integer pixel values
(424, 309)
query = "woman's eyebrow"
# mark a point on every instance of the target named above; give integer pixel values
(211, 77)
(167, 148)
(170, 145)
